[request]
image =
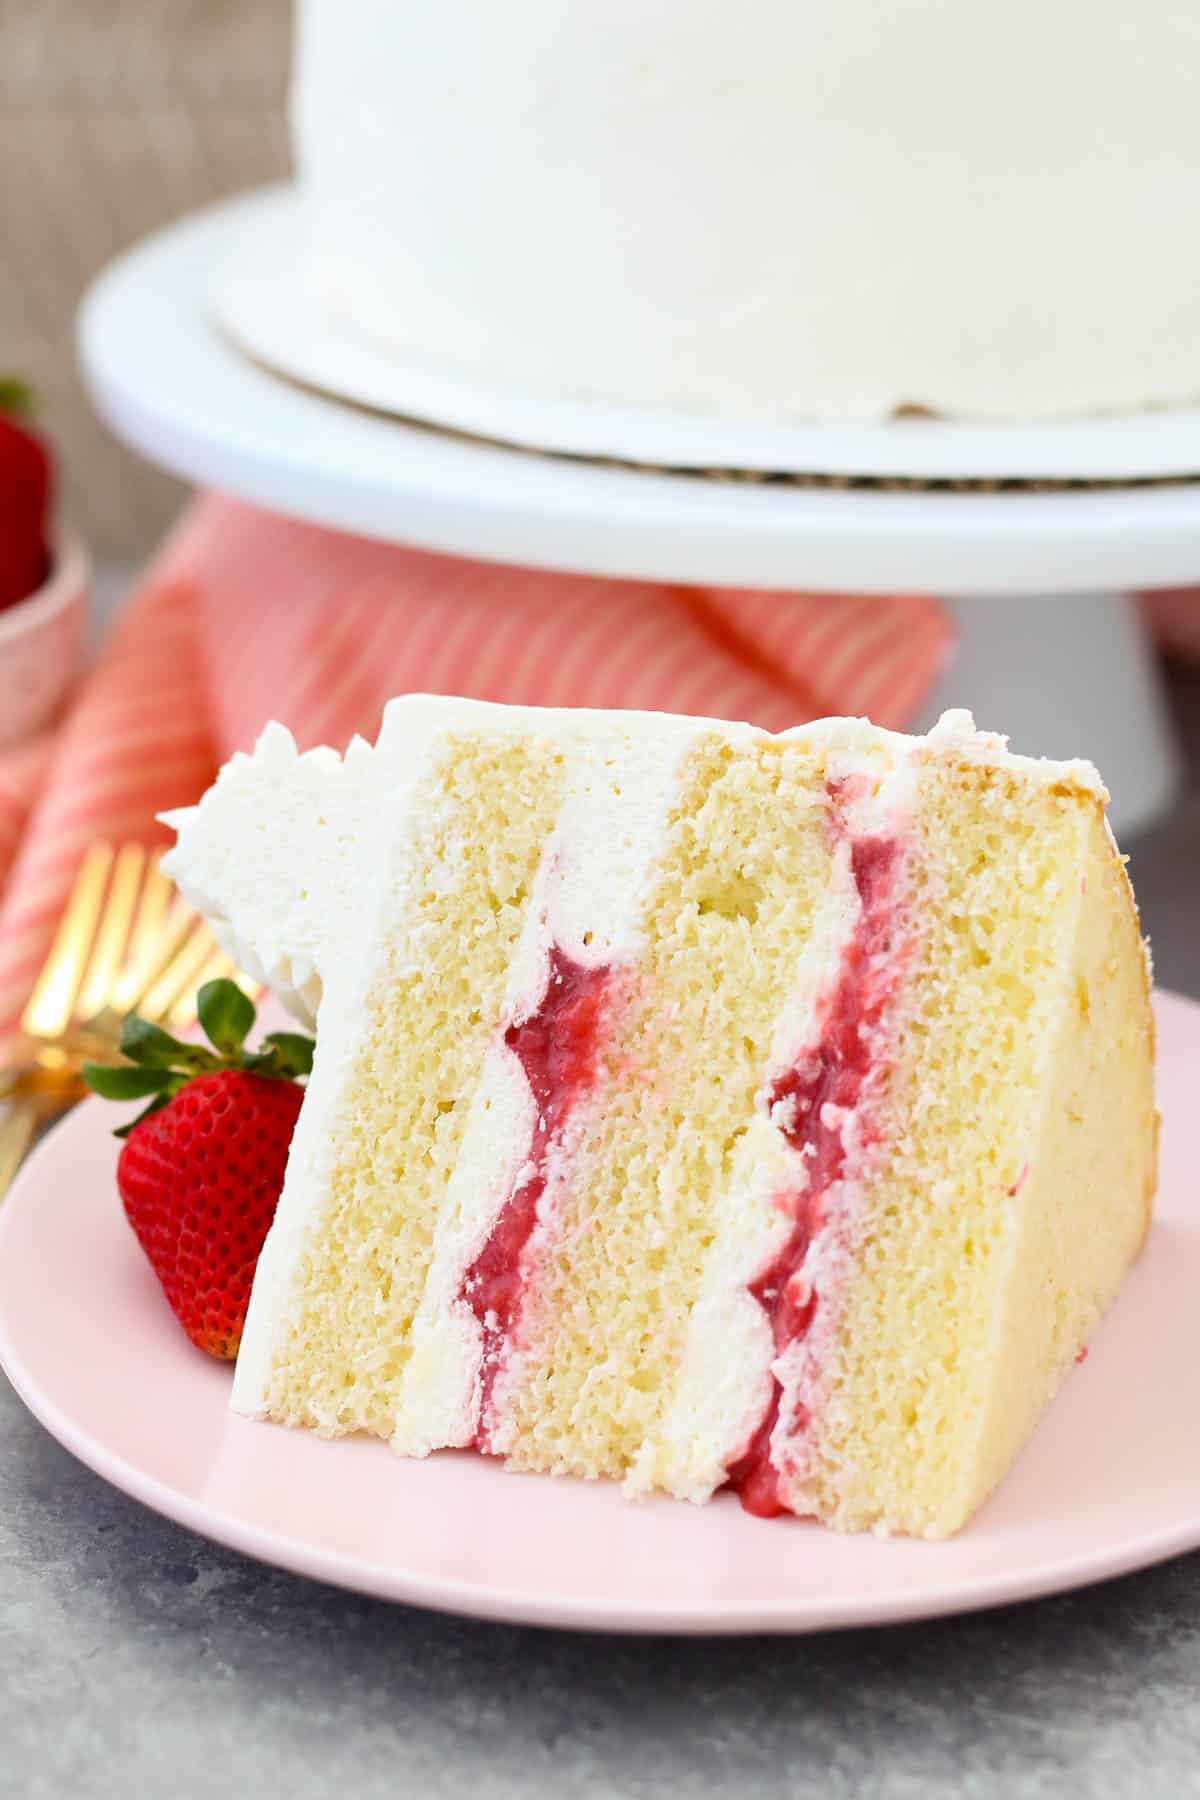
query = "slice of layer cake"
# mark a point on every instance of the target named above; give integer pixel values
(691, 1106)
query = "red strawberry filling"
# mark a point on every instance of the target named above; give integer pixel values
(814, 1103)
(556, 1045)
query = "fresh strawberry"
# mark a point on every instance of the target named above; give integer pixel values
(26, 485)
(202, 1167)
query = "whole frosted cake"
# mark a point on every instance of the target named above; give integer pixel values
(691, 1106)
(779, 211)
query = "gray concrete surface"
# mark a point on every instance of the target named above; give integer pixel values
(136, 1659)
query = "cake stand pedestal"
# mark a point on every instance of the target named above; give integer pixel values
(1050, 649)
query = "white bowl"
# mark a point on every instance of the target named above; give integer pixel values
(41, 646)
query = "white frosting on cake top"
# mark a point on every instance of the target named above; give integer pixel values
(774, 212)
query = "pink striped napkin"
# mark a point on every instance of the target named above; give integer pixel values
(246, 616)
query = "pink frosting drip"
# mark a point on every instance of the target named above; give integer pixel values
(556, 1045)
(831, 1083)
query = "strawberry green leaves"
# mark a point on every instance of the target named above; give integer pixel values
(158, 1066)
(226, 1014)
(129, 1084)
(292, 1053)
(155, 1048)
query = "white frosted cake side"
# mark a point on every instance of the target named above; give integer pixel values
(791, 210)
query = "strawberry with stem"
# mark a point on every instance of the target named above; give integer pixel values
(202, 1166)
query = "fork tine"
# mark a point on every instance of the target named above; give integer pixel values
(49, 1006)
(111, 938)
(180, 972)
(163, 920)
(18, 1124)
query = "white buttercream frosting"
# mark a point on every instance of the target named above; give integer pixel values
(771, 213)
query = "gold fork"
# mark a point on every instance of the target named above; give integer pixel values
(127, 942)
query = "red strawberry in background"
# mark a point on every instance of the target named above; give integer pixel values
(202, 1168)
(26, 492)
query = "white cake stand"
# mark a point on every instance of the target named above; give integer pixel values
(1050, 648)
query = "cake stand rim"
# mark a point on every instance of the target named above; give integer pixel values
(174, 387)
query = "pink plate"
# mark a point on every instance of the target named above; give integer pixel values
(1111, 1481)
